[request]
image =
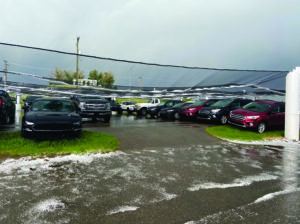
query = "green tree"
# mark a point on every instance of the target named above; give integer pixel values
(108, 80)
(95, 75)
(67, 76)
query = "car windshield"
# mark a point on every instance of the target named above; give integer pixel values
(131, 103)
(32, 98)
(90, 97)
(221, 103)
(198, 103)
(162, 103)
(149, 101)
(179, 104)
(52, 106)
(257, 107)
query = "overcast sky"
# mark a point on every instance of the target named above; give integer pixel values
(241, 34)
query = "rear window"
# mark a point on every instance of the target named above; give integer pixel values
(222, 103)
(257, 107)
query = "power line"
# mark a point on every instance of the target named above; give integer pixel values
(133, 62)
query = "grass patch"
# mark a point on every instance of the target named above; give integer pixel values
(12, 144)
(235, 133)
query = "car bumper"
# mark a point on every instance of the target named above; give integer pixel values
(31, 132)
(244, 123)
(92, 114)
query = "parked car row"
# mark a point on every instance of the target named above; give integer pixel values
(245, 113)
(63, 117)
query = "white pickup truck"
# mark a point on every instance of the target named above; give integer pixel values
(141, 108)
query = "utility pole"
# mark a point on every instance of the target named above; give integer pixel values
(5, 70)
(140, 83)
(77, 51)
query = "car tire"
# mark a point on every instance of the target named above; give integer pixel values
(144, 112)
(106, 119)
(177, 116)
(6, 119)
(12, 119)
(128, 111)
(224, 119)
(261, 127)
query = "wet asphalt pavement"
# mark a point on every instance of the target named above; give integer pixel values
(164, 172)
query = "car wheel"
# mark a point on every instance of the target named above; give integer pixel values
(261, 127)
(107, 119)
(158, 114)
(144, 112)
(128, 111)
(224, 119)
(177, 116)
(12, 119)
(6, 119)
(23, 133)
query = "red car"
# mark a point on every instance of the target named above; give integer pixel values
(191, 110)
(259, 115)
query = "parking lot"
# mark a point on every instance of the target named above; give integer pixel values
(164, 172)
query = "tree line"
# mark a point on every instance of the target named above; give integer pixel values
(104, 79)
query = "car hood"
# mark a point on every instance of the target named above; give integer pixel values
(246, 112)
(52, 117)
(94, 101)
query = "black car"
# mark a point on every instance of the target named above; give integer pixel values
(219, 111)
(114, 106)
(155, 111)
(173, 112)
(28, 101)
(7, 108)
(51, 118)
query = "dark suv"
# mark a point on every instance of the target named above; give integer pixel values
(219, 111)
(7, 108)
(93, 107)
(155, 111)
(258, 115)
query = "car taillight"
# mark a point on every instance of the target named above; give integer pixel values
(1, 101)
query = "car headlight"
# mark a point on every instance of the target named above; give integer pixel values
(29, 123)
(153, 109)
(252, 117)
(170, 110)
(81, 104)
(192, 108)
(214, 111)
(77, 123)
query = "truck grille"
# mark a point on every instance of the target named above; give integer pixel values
(94, 107)
(237, 117)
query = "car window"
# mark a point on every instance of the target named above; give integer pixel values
(52, 106)
(222, 103)
(276, 109)
(198, 103)
(282, 108)
(209, 103)
(169, 104)
(235, 105)
(257, 107)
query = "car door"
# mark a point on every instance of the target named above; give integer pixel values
(276, 116)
